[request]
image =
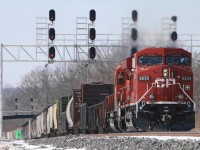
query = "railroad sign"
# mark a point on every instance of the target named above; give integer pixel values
(19, 134)
(187, 87)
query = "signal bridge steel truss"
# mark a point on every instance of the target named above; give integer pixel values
(64, 52)
(79, 53)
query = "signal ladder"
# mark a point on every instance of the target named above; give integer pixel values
(81, 35)
(41, 31)
(126, 30)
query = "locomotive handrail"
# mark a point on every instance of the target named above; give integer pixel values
(126, 101)
(125, 87)
(142, 98)
(187, 95)
(95, 105)
(145, 93)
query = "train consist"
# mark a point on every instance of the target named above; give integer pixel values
(153, 90)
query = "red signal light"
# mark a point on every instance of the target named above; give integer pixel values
(52, 56)
(51, 52)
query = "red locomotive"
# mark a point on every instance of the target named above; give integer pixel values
(153, 90)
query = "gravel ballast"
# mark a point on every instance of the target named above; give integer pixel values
(117, 143)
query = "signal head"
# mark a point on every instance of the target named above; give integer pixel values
(92, 15)
(52, 34)
(92, 52)
(52, 15)
(174, 36)
(51, 52)
(174, 18)
(134, 34)
(92, 33)
(134, 15)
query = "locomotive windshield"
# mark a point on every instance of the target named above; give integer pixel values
(150, 60)
(178, 60)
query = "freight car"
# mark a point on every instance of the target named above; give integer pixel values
(63, 117)
(50, 122)
(79, 115)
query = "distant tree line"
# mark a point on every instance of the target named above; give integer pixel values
(46, 85)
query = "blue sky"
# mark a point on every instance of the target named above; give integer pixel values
(18, 20)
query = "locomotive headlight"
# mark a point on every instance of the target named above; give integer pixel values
(152, 97)
(165, 72)
(180, 96)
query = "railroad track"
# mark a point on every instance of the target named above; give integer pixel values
(175, 134)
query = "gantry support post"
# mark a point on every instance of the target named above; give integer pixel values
(1, 92)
